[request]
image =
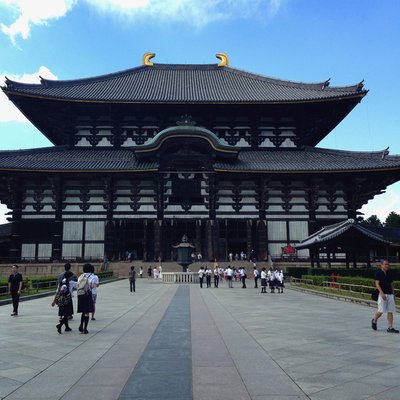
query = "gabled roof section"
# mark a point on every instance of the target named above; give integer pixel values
(331, 232)
(181, 83)
(187, 134)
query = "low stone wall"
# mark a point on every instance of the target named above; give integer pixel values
(44, 269)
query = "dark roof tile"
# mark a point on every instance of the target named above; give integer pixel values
(172, 83)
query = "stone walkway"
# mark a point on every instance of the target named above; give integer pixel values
(180, 342)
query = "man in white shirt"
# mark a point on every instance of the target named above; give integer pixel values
(256, 276)
(229, 275)
(201, 276)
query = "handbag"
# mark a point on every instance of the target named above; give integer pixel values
(62, 299)
(375, 295)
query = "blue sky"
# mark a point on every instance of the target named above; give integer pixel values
(301, 40)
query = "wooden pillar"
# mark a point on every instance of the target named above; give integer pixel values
(160, 197)
(15, 193)
(145, 252)
(210, 237)
(57, 188)
(198, 237)
(157, 240)
(249, 237)
(262, 245)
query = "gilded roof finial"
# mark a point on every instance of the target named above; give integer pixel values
(224, 59)
(146, 59)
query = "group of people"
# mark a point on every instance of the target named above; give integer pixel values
(86, 287)
(274, 278)
(88, 282)
(153, 273)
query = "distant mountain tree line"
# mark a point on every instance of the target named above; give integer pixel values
(392, 220)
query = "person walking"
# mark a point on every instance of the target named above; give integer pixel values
(384, 284)
(15, 288)
(94, 284)
(132, 278)
(85, 299)
(149, 272)
(63, 299)
(141, 272)
(201, 276)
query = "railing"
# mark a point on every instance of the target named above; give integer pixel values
(180, 277)
(344, 287)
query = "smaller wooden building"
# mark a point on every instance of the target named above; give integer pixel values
(352, 242)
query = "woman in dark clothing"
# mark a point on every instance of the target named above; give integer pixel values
(85, 299)
(63, 300)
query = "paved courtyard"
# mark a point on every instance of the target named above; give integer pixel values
(177, 342)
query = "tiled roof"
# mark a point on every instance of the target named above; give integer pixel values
(60, 158)
(331, 232)
(174, 83)
(309, 159)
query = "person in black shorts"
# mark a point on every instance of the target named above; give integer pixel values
(386, 304)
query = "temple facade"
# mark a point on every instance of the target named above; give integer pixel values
(144, 156)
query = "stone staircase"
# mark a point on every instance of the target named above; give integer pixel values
(121, 268)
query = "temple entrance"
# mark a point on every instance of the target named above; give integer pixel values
(236, 248)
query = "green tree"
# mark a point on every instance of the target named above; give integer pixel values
(393, 220)
(373, 220)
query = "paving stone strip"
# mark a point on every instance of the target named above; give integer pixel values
(165, 369)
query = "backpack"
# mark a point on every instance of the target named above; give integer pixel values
(83, 284)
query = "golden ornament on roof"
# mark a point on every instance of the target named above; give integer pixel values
(146, 59)
(224, 59)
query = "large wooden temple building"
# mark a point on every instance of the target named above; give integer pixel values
(143, 156)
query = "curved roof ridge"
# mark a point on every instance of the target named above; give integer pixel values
(324, 85)
(375, 154)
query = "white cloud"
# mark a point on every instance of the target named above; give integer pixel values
(3, 211)
(31, 12)
(8, 112)
(383, 204)
(197, 12)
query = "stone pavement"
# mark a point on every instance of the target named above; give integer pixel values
(171, 341)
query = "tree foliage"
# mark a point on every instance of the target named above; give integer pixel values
(373, 220)
(393, 220)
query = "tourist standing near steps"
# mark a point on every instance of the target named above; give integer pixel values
(201, 276)
(208, 277)
(14, 288)
(384, 283)
(94, 284)
(229, 276)
(263, 281)
(243, 276)
(132, 278)
(141, 272)
(216, 275)
(256, 276)
(149, 272)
